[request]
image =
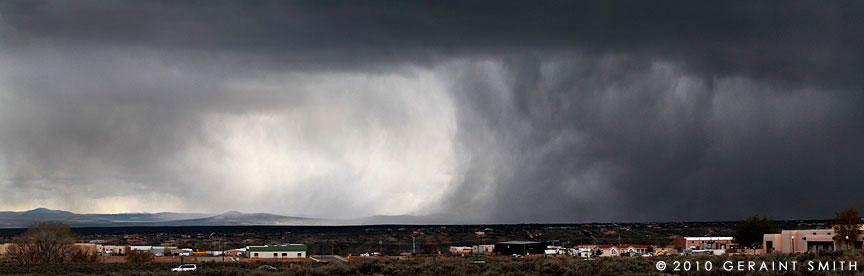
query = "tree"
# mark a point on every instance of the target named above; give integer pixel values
(846, 226)
(42, 243)
(83, 256)
(749, 232)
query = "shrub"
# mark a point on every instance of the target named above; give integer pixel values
(136, 256)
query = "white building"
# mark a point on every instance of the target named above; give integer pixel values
(277, 251)
(155, 250)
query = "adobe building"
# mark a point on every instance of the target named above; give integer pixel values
(90, 248)
(800, 241)
(3, 248)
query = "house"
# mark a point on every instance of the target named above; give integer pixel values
(155, 250)
(635, 249)
(457, 250)
(604, 250)
(608, 250)
(702, 243)
(277, 251)
(582, 252)
(799, 241)
(520, 247)
(115, 250)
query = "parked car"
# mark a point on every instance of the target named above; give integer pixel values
(185, 267)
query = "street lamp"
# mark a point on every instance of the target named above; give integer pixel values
(793, 243)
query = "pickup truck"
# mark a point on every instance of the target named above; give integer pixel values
(185, 267)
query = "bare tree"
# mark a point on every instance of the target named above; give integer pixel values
(846, 226)
(82, 256)
(43, 243)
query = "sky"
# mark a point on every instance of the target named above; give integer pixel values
(478, 111)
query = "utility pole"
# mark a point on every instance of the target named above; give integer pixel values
(381, 247)
(413, 246)
(223, 247)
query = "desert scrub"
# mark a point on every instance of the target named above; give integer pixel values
(426, 266)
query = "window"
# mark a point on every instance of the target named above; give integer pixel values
(299, 254)
(256, 254)
(284, 254)
(275, 254)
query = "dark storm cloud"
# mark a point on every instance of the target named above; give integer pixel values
(612, 138)
(565, 111)
(778, 39)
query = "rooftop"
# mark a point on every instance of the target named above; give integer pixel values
(287, 247)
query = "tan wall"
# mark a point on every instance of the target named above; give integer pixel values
(116, 249)
(798, 241)
(3, 248)
(91, 248)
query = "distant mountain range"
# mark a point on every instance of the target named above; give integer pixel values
(25, 218)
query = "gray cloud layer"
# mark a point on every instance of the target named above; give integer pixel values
(493, 111)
